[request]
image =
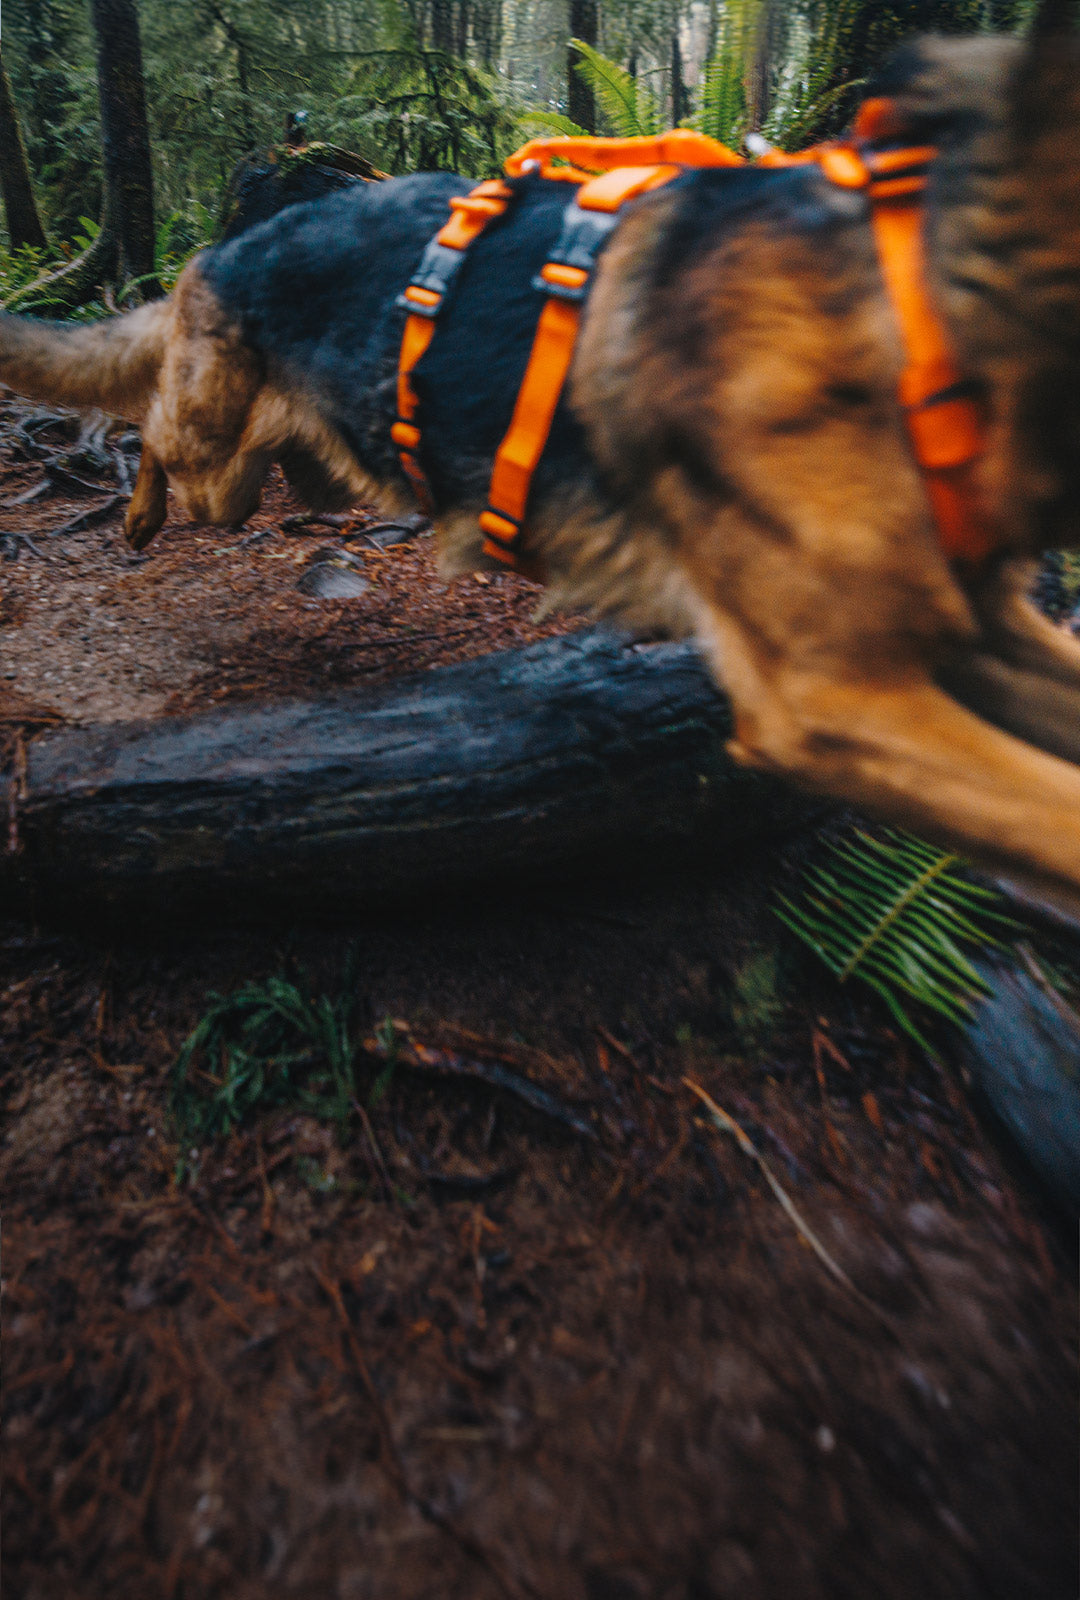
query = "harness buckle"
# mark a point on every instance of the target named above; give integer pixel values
(584, 233)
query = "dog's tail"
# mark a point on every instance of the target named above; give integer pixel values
(113, 364)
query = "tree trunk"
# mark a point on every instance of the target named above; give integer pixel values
(525, 763)
(23, 223)
(442, 25)
(129, 184)
(759, 68)
(678, 92)
(461, 33)
(487, 30)
(580, 100)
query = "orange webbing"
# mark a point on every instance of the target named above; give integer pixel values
(585, 156)
(945, 428)
(523, 445)
(518, 455)
(469, 216)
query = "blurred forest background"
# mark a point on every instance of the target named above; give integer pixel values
(129, 116)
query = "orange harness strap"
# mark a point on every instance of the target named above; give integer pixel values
(944, 421)
(565, 280)
(423, 300)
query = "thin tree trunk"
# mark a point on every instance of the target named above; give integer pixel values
(487, 30)
(580, 100)
(678, 92)
(758, 74)
(442, 25)
(23, 223)
(129, 185)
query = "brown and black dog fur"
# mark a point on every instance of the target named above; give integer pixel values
(730, 461)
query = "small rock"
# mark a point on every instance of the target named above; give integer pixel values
(330, 580)
(384, 534)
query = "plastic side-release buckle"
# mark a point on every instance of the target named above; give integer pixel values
(583, 235)
(439, 266)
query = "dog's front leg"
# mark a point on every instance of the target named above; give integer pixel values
(1015, 629)
(907, 751)
(148, 505)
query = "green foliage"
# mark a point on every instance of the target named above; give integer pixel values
(267, 1045)
(423, 110)
(412, 85)
(722, 112)
(901, 916)
(629, 108)
(179, 236)
(810, 79)
(756, 1007)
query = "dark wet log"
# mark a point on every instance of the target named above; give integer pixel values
(1022, 1052)
(527, 762)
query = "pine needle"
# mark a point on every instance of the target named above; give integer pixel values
(727, 1124)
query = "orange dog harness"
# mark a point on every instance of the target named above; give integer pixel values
(943, 419)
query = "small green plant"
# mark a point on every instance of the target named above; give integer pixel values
(903, 917)
(756, 1007)
(267, 1045)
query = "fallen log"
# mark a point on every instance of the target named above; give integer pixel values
(1022, 1051)
(586, 750)
(578, 749)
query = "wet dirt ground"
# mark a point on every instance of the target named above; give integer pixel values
(463, 1351)
(90, 632)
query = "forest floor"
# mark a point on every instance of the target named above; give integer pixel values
(459, 1349)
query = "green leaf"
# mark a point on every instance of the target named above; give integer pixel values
(632, 109)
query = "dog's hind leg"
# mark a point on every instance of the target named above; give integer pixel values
(148, 505)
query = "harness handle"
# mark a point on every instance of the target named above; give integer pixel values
(575, 159)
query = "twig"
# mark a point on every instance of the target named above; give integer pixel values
(16, 537)
(728, 1125)
(619, 1049)
(380, 1164)
(410, 1053)
(16, 793)
(86, 519)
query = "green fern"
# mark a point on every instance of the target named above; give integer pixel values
(722, 113)
(630, 108)
(899, 914)
(806, 88)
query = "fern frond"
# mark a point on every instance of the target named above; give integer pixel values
(631, 109)
(901, 916)
(550, 122)
(722, 113)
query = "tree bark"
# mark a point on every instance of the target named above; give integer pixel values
(678, 92)
(580, 100)
(129, 183)
(575, 751)
(442, 25)
(23, 223)
(759, 68)
(487, 30)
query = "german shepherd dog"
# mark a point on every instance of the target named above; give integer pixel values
(729, 459)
